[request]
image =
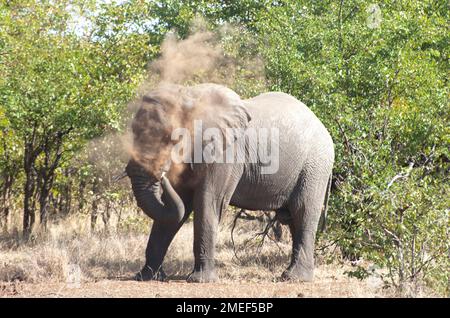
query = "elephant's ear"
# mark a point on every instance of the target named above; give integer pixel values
(219, 107)
(223, 117)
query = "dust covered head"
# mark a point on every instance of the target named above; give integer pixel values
(152, 125)
(171, 106)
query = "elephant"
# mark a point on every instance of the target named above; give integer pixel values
(169, 192)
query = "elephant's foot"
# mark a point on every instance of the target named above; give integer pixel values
(203, 273)
(148, 273)
(202, 277)
(298, 274)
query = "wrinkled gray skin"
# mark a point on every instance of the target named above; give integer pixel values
(298, 192)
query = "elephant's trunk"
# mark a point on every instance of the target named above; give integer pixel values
(157, 199)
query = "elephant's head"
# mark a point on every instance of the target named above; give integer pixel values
(160, 112)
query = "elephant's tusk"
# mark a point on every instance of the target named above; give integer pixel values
(119, 177)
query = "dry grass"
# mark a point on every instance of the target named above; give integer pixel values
(42, 267)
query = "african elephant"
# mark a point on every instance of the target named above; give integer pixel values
(167, 192)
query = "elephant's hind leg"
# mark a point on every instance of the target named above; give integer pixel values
(305, 211)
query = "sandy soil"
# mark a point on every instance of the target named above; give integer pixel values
(105, 262)
(326, 284)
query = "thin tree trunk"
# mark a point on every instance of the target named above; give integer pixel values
(28, 211)
(106, 215)
(94, 211)
(43, 204)
(30, 154)
(81, 199)
(47, 175)
(5, 203)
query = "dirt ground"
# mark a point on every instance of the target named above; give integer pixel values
(326, 284)
(105, 264)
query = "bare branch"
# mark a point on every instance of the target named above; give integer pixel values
(402, 175)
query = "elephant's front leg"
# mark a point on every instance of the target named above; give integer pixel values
(206, 220)
(160, 238)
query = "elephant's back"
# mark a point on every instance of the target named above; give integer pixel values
(275, 106)
(293, 118)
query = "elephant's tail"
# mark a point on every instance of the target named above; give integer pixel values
(323, 217)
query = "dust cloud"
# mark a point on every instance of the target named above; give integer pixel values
(168, 98)
(185, 60)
